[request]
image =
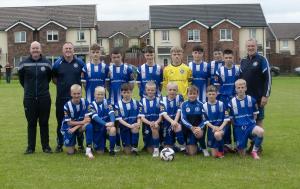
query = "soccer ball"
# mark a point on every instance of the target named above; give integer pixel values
(167, 154)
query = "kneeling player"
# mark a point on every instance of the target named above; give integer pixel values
(215, 117)
(171, 127)
(191, 117)
(127, 115)
(150, 116)
(243, 112)
(103, 119)
(76, 120)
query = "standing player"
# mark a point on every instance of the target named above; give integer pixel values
(215, 64)
(119, 73)
(96, 74)
(191, 117)
(149, 72)
(127, 114)
(177, 72)
(225, 77)
(103, 119)
(66, 71)
(77, 120)
(171, 111)
(200, 72)
(215, 117)
(243, 112)
(150, 116)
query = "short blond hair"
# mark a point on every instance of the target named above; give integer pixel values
(75, 87)
(150, 84)
(240, 81)
(176, 49)
(99, 89)
(172, 84)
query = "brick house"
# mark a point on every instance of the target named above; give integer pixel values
(52, 26)
(123, 34)
(210, 26)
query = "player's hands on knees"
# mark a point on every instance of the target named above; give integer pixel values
(72, 130)
(152, 124)
(87, 120)
(156, 124)
(136, 125)
(110, 124)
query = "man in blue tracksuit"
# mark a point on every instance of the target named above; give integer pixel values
(34, 76)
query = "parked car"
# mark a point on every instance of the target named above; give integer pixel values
(275, 71)
(297, 71)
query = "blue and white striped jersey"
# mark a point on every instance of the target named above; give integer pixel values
(215, 114)
(214, 66)
(226, 79)
(151, 109)
(127, 111)
(102, 109)
(171, 107)
(76, 112)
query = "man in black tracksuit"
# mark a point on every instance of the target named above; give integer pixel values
(34, 76)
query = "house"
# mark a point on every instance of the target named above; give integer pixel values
(52, 26)
(123, 34)
(283, 38)
(211, 26)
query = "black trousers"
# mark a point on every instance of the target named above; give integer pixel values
(37, 110)
(60, 102)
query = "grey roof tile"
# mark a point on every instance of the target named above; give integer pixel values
(285, 30)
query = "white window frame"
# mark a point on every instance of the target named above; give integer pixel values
(285, 44)
(79, 35)
(117, 42)
(226, 34)
(19, 35)
(193, 34)
(165, 35)
(189, 58)
(268, 45)
(52, 33)
(252, 33)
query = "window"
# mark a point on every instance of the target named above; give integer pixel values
(285, 44)
(194, 35)
(52, 59)
(20, 37)
(52, 35)
(225, 35)
(118, 42)
(100, 42)
(268, 45)
(148, 41)
(165, 35)
(165, 62)
(17, 60)
(252, 33)
(80, 36)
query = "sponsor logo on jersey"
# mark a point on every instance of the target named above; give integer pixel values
(255, 63)
(187, 109)
(75, 65)
(197, 109)
(182, 71)
(43, 68)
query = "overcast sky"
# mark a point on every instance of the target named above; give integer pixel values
(274, 10)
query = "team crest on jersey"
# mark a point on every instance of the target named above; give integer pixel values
(187, 109)
(255, 63)
(43, 68)
(75, 65)
(197, 109)
(182, 71)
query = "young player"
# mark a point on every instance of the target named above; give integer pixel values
(97, 73)
(225, 77)
(149, 72)
(127, 115)
(215, 117)
(150, 116)
(177, 72)
(215, 64)
(76, 120)
(200, 72)
(191, 117)
(171, 111)
(243, 112)
(103, 118)
(119, 73)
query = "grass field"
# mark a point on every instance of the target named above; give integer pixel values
(278, 168)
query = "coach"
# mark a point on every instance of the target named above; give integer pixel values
(255, 70)
(34, 76)
(67, 71)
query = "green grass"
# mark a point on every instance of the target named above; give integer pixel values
(278, 168)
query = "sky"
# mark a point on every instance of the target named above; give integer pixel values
(286, 11)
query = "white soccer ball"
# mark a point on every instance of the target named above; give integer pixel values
(167, 154)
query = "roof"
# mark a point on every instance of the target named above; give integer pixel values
(131, 28)
(285, 30)
(67, 15)
(174, 16)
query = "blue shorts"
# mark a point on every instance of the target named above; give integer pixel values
(243, 133)
(167, 134)
(126, 136)
(69, 138)
(190, 138)
(211, 140)
(99, 137)
(147, 135)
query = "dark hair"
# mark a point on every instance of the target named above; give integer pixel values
(95, 47)
(211, 88)
(193, 88)
(198, 48)
(149, 49)
(227, 51)
(116, 51)
(217, 49)
(126, 87)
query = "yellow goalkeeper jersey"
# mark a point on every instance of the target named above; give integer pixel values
(181, 75)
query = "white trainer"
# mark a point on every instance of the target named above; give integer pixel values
(89, 153)
(155, 152)
(117, 148)
(205, 152)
